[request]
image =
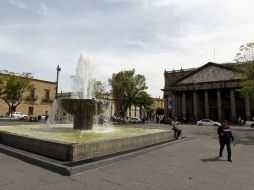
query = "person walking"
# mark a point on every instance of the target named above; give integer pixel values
(46, 115)
(177, 131)
(225, 137)
(157, 119)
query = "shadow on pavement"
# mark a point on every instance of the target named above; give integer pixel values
(215, 159)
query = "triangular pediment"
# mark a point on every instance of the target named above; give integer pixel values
(211, 72)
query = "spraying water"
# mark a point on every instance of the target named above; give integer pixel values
(83, 82)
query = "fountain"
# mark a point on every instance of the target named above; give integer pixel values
(72, 144)
(82, 105)
(82, 110)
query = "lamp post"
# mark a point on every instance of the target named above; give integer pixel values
(58, 69)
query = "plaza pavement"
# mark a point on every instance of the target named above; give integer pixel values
(188, 163)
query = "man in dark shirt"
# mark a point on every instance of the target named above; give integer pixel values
(225, 137)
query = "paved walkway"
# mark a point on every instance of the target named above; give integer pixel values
(189, 163)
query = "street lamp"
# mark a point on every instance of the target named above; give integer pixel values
(58, 69)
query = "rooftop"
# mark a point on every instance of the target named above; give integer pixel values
(192, 69)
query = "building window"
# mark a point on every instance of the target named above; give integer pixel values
(46, 98)
(47, 95)
(32, 93)
(30, 110)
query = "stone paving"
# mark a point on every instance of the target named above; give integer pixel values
(188, 163)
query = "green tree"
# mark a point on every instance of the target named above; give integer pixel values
(12, 88)
(245, 59)
(159, 111)
(150, 112)
(99, 88)
(144, 100)
(126, 87)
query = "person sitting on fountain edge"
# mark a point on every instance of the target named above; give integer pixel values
(177, 131)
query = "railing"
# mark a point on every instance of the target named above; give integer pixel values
(31, 98)
(49, 101)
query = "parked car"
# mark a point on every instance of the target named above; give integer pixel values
(168, 121)
(18, 115)
(208, 122)
(134, 120)
(250, 123)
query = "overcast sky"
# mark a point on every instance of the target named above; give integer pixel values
(148, 35)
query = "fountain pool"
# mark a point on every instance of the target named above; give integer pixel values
(66, 144)
(65, 133)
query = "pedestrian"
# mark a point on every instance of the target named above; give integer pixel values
(46, 115)
(239, 120)
(175, 128)
(157, 119)
(225, 137)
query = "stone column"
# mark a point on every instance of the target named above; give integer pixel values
(247, 108)
(206, 104)
(178, 105)
(184, 105)
(195, 105)
(219, 105)
(166, 106)
(232, 103)
(173, 99)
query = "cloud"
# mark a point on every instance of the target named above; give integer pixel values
(148, 35)
(19, 4)
(44, 10)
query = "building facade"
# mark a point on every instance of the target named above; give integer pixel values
(36, 101)
(158, 103)
(206, 92)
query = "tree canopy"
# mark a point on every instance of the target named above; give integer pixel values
(127, 87)
(159, 111)
(13, 86)
(143, 99)
(245, 58)
(99, 88)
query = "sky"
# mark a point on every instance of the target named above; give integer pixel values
(150, 36)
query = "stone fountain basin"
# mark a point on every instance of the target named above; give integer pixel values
(84, 106)
(77, 151)
(83, 111)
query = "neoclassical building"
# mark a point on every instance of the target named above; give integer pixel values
(206, 92)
